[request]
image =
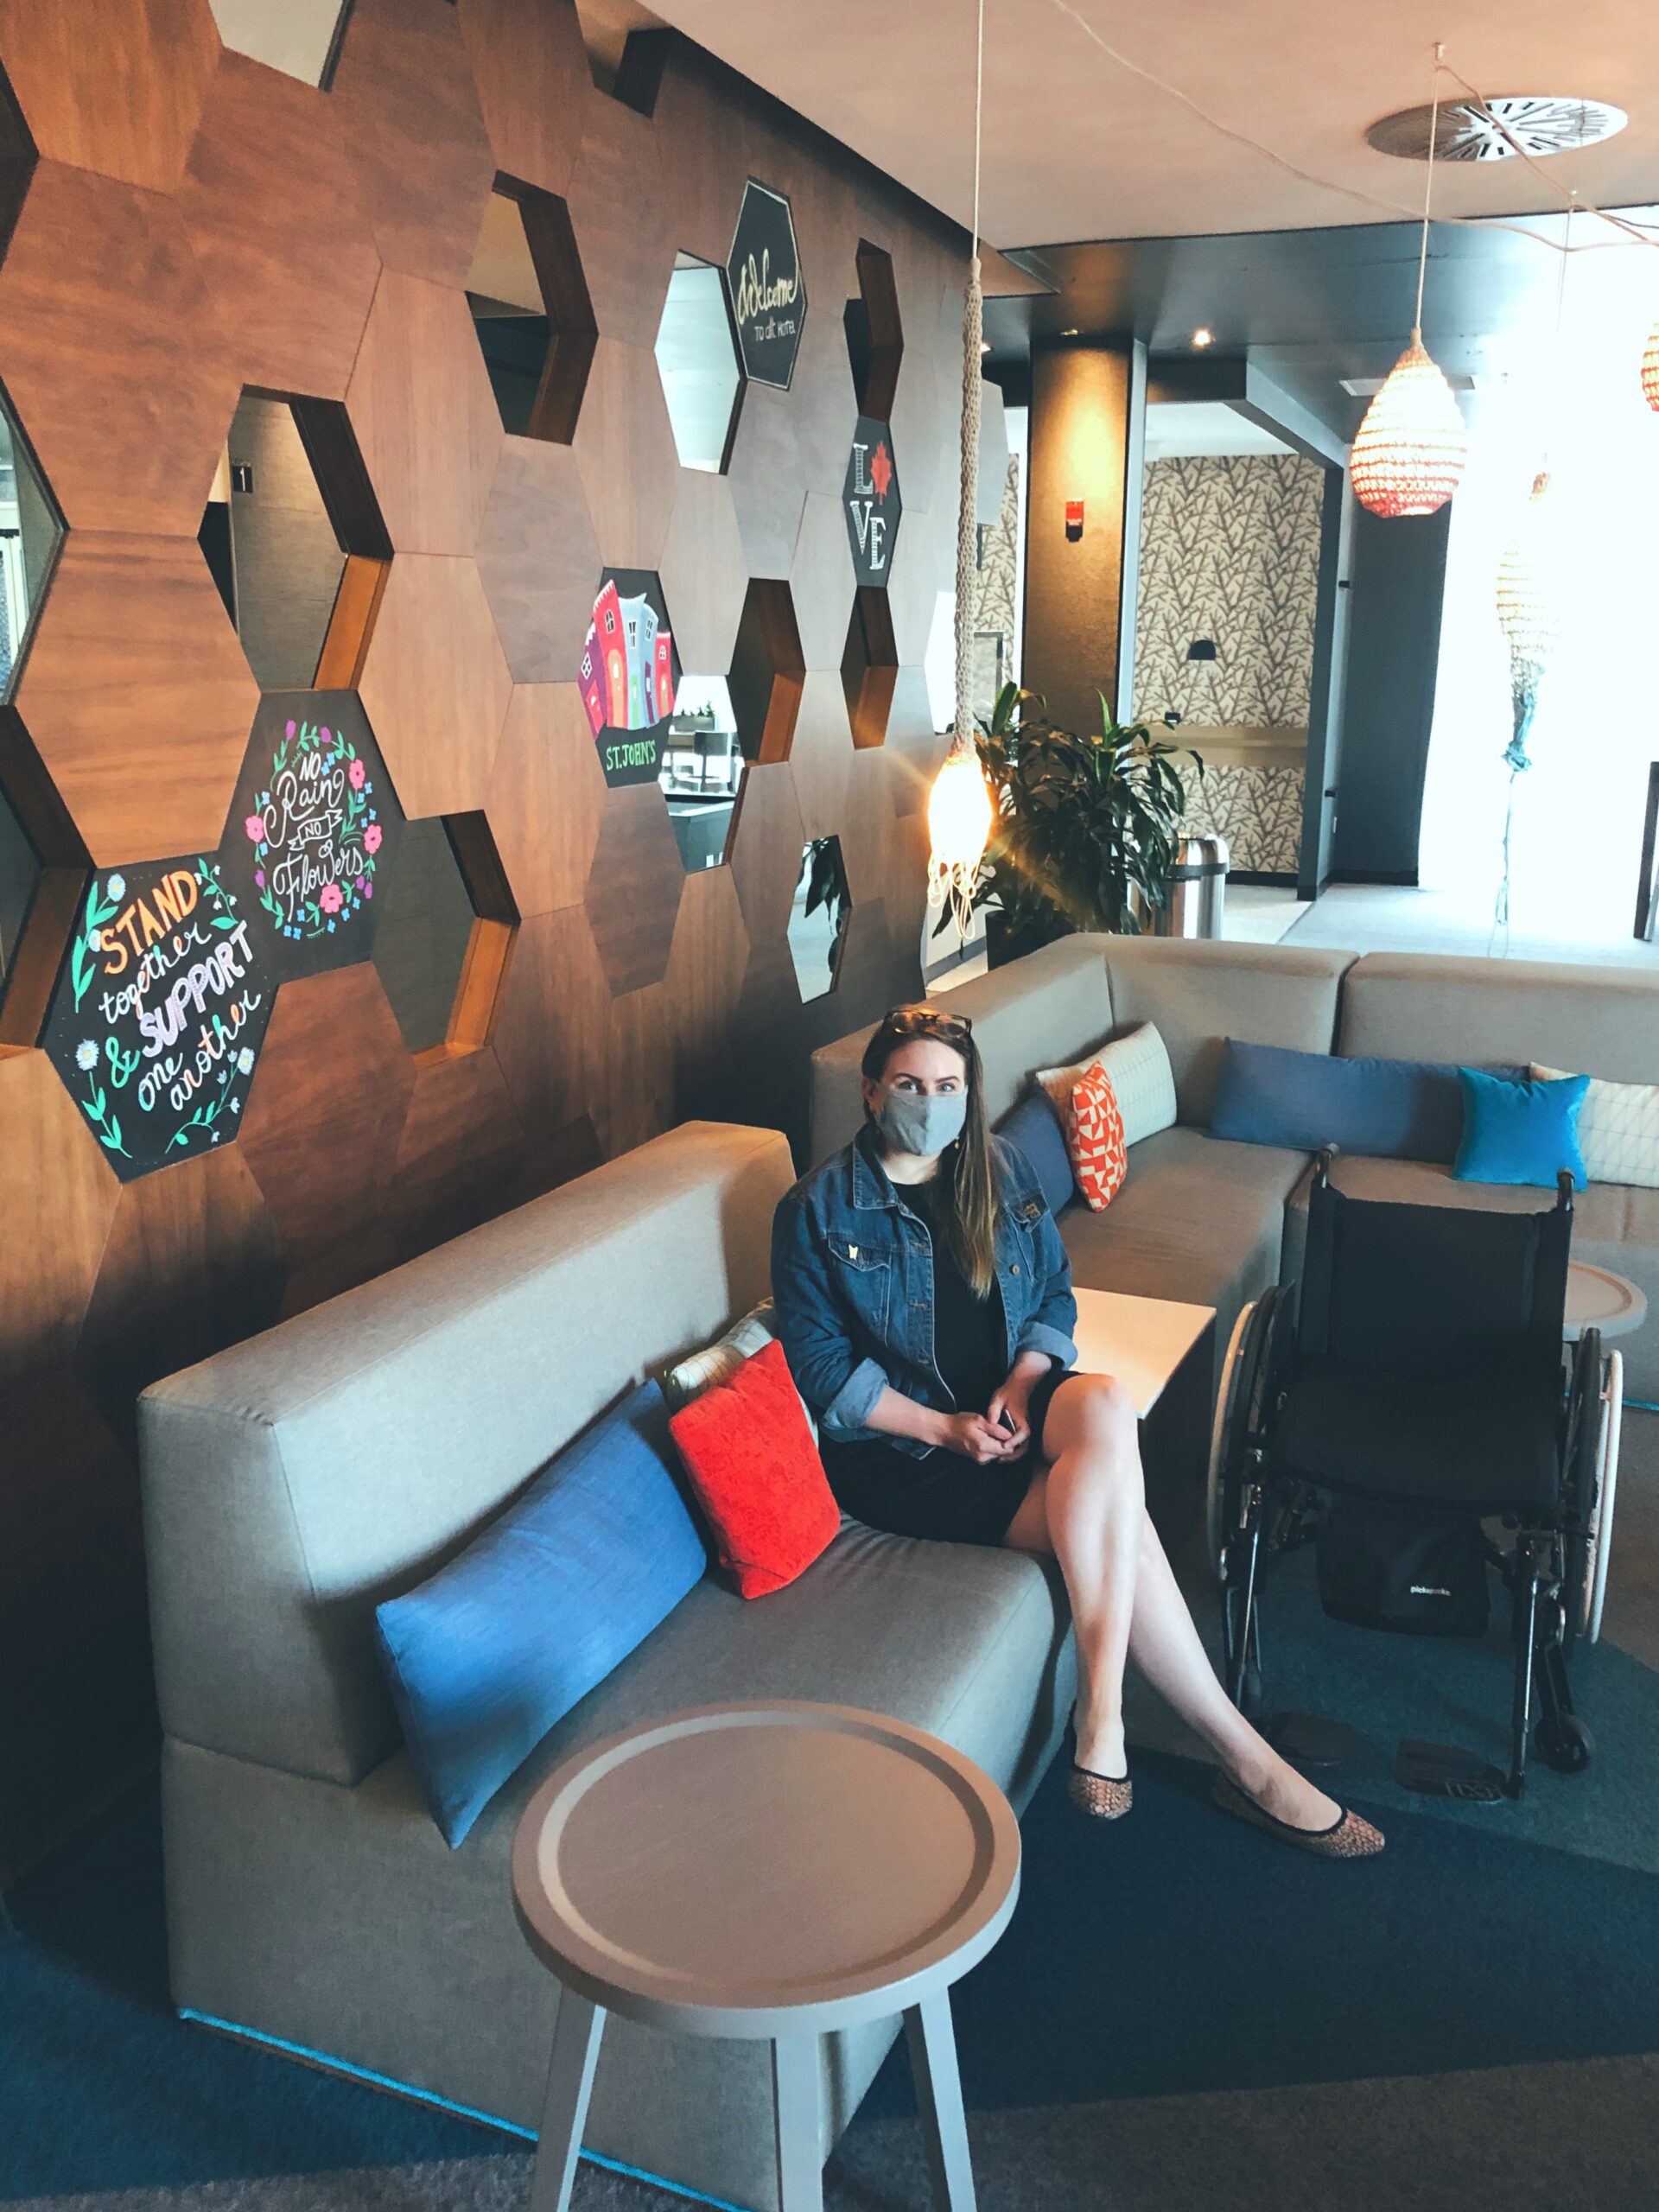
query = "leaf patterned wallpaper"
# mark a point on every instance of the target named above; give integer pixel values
(1230, 550)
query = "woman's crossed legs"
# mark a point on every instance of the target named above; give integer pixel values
(1088, 1511)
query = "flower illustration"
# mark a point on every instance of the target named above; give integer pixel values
(259, 877)
(290, 729)
(372, 838)
(356, 775)
(255, 826)
(94, 940)
(329, 899)
(117, 886)
(85, 1055)
(244, 1061)
(368, 891)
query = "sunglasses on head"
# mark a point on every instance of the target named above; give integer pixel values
(924, 1022)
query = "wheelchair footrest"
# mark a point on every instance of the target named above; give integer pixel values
(1446, 1771)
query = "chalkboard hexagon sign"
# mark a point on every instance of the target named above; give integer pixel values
(768, 290)
(871, 502)
(630, 674)
(159, 1011)
(312, 832)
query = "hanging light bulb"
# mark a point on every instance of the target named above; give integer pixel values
(959, 808)
(1410, 454)
(1650, 369)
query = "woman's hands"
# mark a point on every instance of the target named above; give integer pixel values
(1014, 1400)
(978, 1437)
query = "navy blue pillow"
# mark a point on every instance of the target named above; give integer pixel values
(497, 1647)
(1520, 1132)
(1033, 1126)
(1385, 1110)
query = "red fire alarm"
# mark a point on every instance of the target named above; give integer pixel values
(1073, 520)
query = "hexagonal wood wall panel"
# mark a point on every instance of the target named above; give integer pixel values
(195, 223)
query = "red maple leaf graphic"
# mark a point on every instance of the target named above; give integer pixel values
(881, 471)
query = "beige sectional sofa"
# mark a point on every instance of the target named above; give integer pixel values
(293, 1482)
(1213, 1222)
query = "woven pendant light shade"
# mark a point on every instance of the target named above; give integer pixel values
(1409, 454)
(1528, 608)
(1650, 369)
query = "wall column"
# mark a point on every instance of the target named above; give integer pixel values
(1087, 443)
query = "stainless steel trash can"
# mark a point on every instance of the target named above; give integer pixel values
(1198, 890)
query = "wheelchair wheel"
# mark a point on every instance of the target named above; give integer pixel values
(1238, 1410)
(1564, 1743)
(1590, 1592)
(1581, 1485)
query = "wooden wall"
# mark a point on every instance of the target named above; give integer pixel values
(180, 225)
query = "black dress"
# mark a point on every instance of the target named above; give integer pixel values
(943, 1494)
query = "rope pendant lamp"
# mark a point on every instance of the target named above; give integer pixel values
(1650, 369)
(1410, 454)
(959, 810)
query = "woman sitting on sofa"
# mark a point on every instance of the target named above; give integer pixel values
(924, 1298)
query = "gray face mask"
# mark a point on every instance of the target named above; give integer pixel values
(910, 1123)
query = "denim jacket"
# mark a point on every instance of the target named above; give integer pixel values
(852, 1278)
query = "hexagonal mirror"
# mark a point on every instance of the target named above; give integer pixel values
(531, 312)
(697, 359)
(768, 671)
(702, 770)
(817, 917)
(299, 37)
(20, 878)
(440, 949)
(293, 537)
(31, 531)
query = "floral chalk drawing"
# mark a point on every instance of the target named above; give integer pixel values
(314, 832)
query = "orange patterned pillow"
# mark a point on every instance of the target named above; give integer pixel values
(1093, 1138)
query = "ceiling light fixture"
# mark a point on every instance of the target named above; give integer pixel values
(1203, 336)
(959, 810)
(1409, 454)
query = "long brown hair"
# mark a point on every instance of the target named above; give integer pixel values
(970, 1223)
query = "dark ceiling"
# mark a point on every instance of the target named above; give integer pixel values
(1310, 308)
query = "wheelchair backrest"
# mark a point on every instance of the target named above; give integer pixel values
(1433, 1289)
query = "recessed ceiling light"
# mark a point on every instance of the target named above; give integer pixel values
(984, 345)
(1070, 333)
(1202, 337)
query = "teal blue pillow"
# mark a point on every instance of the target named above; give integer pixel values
(489, 1653)
(1520, 1132)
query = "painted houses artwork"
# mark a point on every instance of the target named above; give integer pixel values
(871, 500)
(313, 830)
(159, 1011)
(630, 674)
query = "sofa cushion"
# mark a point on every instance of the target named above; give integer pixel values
(1033, 1128)
(1394, 1109)
(1201, 993)
(1599, 1022)
(1198, 1219)
(498, 1646)
(1520, 1132)
(1614, 1226)
(755, 1468)
(1618, 1129)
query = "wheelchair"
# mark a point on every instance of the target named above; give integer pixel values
(1402, 1407)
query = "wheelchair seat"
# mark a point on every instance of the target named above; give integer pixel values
(1479, 1443)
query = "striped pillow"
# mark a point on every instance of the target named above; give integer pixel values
(1141, 1079)
(718, 1362)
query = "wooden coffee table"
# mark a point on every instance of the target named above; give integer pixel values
(770, 1871)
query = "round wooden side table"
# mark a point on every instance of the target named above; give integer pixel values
(1598, 1299)
(768, 1869)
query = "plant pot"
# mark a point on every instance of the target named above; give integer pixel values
(1003, 944)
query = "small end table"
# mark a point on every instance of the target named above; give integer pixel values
(769, 1871)
(1598, 1299)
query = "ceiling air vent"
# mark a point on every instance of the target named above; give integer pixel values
(1368, 387)
(1492, 131)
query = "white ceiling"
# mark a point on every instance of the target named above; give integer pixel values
(1078, 147)
(1178, 428)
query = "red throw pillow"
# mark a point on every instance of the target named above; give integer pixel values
(1094, 1137)
(757, 1474)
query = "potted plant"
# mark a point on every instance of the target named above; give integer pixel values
(1086, 828)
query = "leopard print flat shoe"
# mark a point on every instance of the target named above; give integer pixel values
(1348, 1837)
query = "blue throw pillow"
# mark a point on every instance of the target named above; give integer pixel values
(497, 1647)
(1034, 1128)
(1520, 1132)
(1384, 1109)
